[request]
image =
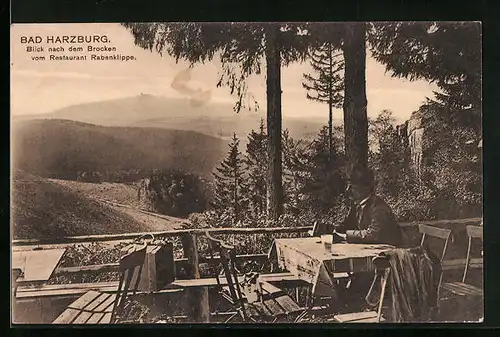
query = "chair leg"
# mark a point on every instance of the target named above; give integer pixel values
(301, 315)
(382, 296)
(231, 317)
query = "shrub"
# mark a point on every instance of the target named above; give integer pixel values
(176, 193)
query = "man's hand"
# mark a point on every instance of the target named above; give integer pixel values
(343, 236)
(339, 237)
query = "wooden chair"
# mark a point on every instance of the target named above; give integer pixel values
(463, 288)
(95, 307)
(382, 271)
(438, 233)
(274, 303)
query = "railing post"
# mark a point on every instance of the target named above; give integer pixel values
(198, 297)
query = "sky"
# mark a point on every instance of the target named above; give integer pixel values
(43, 86)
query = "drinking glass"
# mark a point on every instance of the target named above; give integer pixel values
(327, 240)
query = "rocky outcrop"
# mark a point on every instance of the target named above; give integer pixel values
(415, 133)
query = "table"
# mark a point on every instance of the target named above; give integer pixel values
(311, 261)
(37, 265)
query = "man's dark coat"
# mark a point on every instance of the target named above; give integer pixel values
(372, 222)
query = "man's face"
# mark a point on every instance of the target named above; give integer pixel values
(356, 192)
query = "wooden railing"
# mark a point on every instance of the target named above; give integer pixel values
(69, 240)
(180, 264)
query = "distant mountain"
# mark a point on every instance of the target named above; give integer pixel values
(214, 118)
(61, 148)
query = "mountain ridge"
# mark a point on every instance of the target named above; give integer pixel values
(62, 148)
(145, 110)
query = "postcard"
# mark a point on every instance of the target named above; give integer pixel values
(243, 172)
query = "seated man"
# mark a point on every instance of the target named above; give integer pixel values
(370, 219)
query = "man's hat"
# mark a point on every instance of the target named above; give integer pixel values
(361, 175)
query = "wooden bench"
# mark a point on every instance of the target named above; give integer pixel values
(286, 278)
(212, 281)
(454, 264)
(92, 308)
(200, 282)
(25, 293)
(75, 289)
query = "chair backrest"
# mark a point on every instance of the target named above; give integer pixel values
(473, 232)
(131, 265)
(435, 232)
(439, 233)
(227, 257)
(320, 228)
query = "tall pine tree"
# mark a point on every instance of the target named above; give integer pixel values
(255, 159)
(313, 179)
(325, 182)
(230, 185)
(327, 84)
(295, 171)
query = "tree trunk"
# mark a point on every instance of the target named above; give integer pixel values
(355, 114)
(330, 108)
(273, 84)
(236, 201)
